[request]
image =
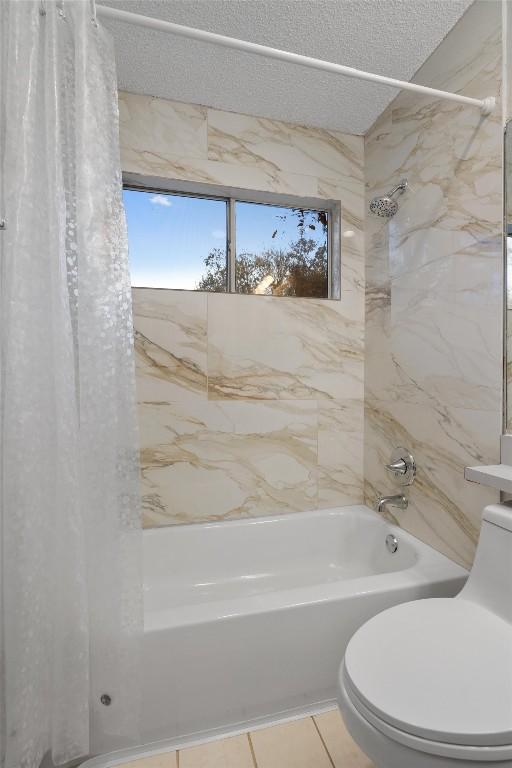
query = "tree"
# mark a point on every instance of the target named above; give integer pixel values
(215, 276)
(300, 270)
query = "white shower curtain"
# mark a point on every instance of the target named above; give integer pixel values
(70, 525)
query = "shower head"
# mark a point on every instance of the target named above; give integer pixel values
(385, 205)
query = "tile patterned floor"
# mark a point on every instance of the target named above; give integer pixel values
(321, 741)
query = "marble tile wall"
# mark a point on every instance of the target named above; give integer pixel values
(508, 245)
(507, 59)
(507, 118)
(254, 405)
(434, 283)
(248, 405)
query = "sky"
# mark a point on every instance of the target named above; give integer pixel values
(170, 235)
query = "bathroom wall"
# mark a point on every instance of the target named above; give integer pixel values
(508, 241)
(507, 114)
(248, 405)
(434, 289)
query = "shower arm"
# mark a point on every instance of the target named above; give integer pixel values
(399, 188)
(486, 106)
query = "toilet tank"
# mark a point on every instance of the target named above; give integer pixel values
(490, 580)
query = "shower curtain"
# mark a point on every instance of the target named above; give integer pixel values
(69, 520)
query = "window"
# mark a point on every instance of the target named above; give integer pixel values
(172, 236)
(270, 244)
(281, 251)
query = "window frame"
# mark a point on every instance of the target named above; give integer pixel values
(232, 195)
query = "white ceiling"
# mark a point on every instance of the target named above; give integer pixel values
(389, 37)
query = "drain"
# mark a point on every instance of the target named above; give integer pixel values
(391, 543)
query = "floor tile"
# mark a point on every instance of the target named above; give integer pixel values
(234, 752)
(340, 745)
(162, 760)
(291, 745)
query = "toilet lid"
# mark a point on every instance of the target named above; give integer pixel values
(440, 669)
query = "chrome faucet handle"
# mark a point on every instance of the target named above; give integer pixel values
(402, 465)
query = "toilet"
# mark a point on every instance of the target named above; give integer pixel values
(428, 684)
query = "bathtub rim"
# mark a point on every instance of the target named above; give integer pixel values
(277, 517)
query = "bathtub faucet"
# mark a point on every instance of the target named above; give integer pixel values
(394, 501)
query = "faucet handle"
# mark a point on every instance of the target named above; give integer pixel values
(402, 465)
(399, 467)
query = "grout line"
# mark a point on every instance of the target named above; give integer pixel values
(253, 753)
(323, 742)
(177, 758)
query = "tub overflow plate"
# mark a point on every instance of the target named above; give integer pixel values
(391, 543)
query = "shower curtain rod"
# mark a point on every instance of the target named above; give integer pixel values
(486, 106)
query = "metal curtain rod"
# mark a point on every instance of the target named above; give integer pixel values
(486, 106)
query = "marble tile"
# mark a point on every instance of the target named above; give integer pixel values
(233, 752)
(433, 301)
(444, 509)
(159, 128)
(454, 196)
(442, 349)
(507, 63)
(168, 139)
(434, 336)
(253, 448)
(272, 145)
(266, 348)
(352, 201)
(170, 338)
(509, 372)
(457, 208)
(189, 168)
(479, 275)
(218, 460)
(290, 745)
(350, 192)
(507, 112)
(343, 751)
(340, 452)
(353, 269)
(467, 56)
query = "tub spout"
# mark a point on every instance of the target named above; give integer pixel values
(399, 501)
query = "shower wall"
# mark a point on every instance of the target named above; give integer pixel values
(252, 405)
(434, 289)
(507, 112)
(248, 405)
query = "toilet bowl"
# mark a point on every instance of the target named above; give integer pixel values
(428, 684)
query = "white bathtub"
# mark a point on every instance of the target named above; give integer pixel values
(247, 621)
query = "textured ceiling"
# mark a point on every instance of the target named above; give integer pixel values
(389, 37)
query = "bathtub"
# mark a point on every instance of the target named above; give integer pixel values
(247, 621)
